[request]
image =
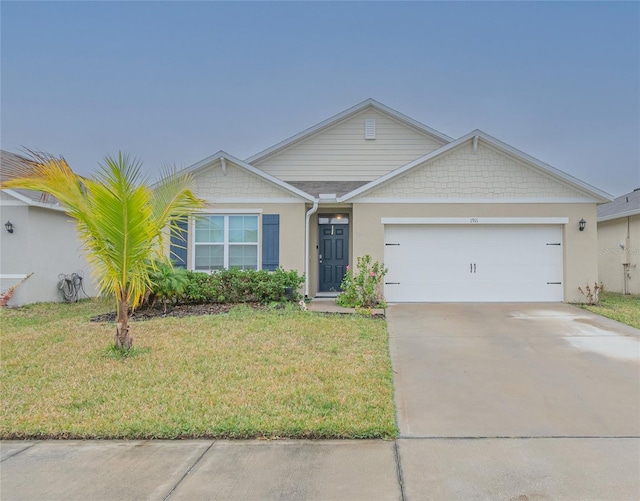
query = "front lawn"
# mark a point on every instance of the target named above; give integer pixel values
(276, 373)
(625, 309)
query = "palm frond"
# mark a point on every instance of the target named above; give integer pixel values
(173, 198)
(120, 219)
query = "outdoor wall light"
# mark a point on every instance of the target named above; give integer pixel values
(9, 226)
(581, 224)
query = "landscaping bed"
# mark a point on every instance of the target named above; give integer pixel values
(180, 310)
(247, 373)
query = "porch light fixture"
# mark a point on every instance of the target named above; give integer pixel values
(581, 224)
(9, 226)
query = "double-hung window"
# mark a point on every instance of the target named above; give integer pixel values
(226, 241)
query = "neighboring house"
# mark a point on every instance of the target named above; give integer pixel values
(619, 244)
(43, 241)
(470, 219)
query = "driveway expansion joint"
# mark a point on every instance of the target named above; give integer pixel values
(399, 474)
(189, 470)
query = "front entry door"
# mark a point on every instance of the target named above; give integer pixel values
(333, 255)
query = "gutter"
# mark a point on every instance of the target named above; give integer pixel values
(310, 212)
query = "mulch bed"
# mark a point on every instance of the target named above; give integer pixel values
(182, 310)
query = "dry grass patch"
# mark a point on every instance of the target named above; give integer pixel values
(625, 309)
(242, 374)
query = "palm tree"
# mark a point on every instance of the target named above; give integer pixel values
(121, 221)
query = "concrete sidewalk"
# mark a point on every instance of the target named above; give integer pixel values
(405, 469)
(199, 469)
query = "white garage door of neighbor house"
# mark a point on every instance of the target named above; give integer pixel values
(473, 263)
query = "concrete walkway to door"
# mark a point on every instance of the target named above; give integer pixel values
(506, 400)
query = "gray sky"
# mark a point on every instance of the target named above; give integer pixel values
(174, 82)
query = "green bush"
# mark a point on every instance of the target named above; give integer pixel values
(363, 289)
(167, 283)
(238, 286)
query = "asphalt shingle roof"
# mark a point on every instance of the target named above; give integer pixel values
(625, 205)
(9, 163)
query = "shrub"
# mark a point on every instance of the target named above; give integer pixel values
(238, 286)
(363, 289)
(167, 283)
(592, 295)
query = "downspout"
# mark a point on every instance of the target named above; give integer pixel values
(310, 212)
(626, 265)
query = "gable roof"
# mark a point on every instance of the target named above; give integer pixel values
(623, 206)
(476, 135)
(329, 122)
(221, 155)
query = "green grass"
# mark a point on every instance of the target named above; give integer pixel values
(245, 374)
(625, 309)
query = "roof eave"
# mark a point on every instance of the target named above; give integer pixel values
(599, 195)
(33, 203)
(202, 164)
(619, 215)
(603, 196)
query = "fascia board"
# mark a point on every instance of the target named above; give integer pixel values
(592, 190)
(202, 164)
(193, 168)
(269, 177)
(600, 195)
(404, 168)
(619, 215)
(33, 203)
(329, 122)
(410, 121)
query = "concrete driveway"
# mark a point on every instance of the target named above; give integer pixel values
(515, 401)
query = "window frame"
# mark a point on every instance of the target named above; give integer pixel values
(226, 244)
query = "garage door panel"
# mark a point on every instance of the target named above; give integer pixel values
(443, 263)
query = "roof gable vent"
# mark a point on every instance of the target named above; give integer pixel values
(369, 128)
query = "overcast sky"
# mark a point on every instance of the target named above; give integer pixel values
(174, 82)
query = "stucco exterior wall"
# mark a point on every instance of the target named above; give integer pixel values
(341, 153)
(43, 242)
(462, 173)
(580, 248)
(612, 234)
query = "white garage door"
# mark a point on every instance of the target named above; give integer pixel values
(470, 263)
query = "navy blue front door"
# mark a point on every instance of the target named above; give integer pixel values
(333, 254)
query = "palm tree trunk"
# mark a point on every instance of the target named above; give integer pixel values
(123, 340)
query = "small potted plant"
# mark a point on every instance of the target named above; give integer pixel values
(8, 294)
